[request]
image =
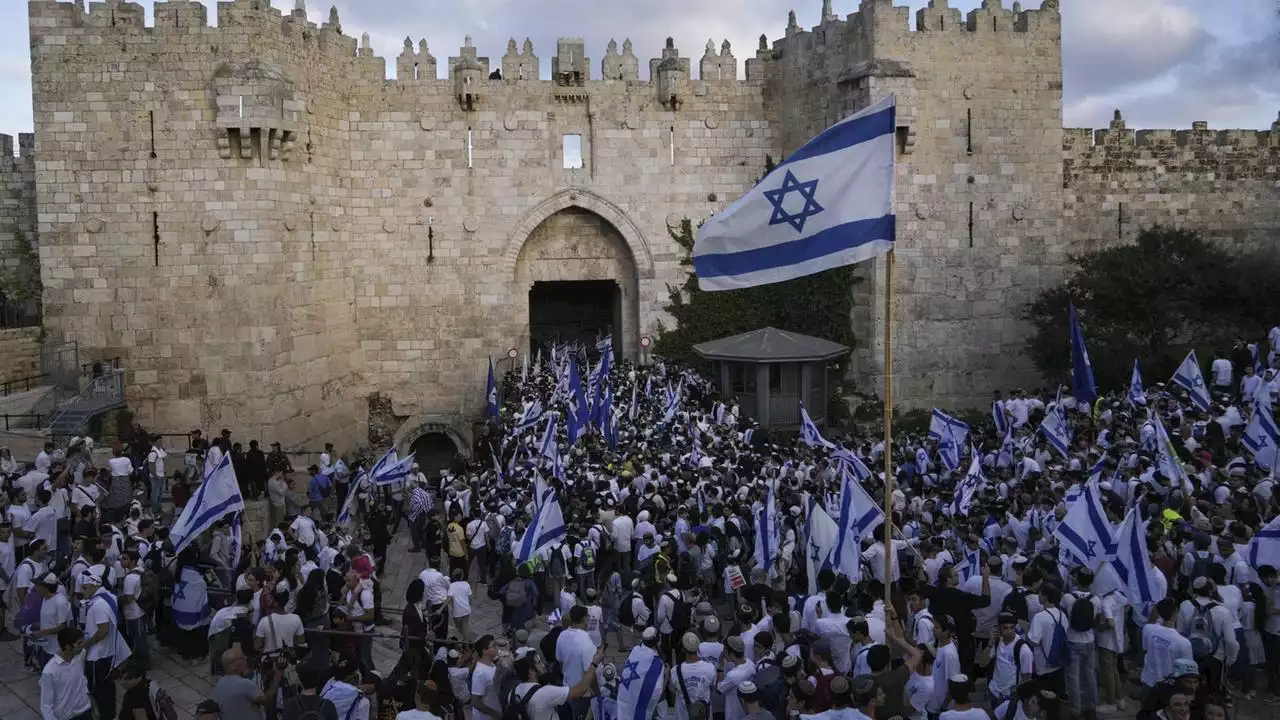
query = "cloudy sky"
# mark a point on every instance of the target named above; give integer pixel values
(1164, 63)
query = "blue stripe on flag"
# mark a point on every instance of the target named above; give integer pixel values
(647, 688)
(845, 135)
(827, 242)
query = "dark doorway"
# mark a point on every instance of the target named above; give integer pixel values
(574, 311)
(435, 452)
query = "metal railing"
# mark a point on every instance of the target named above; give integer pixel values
(22, 421)
(21, 385)
(101, 393)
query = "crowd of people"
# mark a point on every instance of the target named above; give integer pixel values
(619, 508)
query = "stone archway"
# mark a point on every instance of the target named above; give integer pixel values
(439, 436)
(575, 248)
(434, 452)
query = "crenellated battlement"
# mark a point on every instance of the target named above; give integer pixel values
(25, 156)
(1087, 145)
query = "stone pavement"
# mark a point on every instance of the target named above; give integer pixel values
(189, 683)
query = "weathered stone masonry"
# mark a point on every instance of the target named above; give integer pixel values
(243, 211)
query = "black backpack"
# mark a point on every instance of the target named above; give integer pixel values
(518, 709)
(1016, 604)
(1083, 617)
(681, 613)
(309, 707)
(626, 614)
(772, 688)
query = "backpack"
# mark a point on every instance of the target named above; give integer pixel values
(1083, 615)
(503, 542)
(555, 566)
(1204, 642)
(681, 613)
(161, 703)
(626, 613)
(1015, 603)
(588, 560)
(696, 710)
(772, 688)
(1057, 655)
(515, 596)
(148, 592)
(307, 707)
(491, 529)
(1200, 565)
(519, 710)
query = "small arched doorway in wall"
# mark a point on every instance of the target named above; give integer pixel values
(436, 451)
(576, 280)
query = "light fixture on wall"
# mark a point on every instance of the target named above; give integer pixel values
(431, 239)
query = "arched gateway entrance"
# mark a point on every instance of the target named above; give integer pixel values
(577, 270)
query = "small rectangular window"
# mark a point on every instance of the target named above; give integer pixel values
(572, 152)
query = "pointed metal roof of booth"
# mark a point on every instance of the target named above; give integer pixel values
(770, 345)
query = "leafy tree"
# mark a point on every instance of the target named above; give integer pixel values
(1169, 292)
(817, 305)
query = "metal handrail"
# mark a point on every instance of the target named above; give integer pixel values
(108, 387)
(8, 386)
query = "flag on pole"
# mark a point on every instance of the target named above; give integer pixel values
(218, 496)
(577, 404)
(1264, 548)
(546, 528)
(1137, 392)
(1132, 561)
(349, 505)
(853, 464)
(767, 534)
(1001, 417)
(820, 536)
(1190, 378)
(828, 205)
(859, 517)
(631, 411)
(1166, 457)
(1054, 428)
(491, 393)
(1083, 388)
(640, 684)
(1262, 437)
(1085, 532)
(393, 473)
(951, 435)
(973, 481)
(809, 433)
(237, 541)
(547, 447)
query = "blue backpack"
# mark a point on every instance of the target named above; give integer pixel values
(1057, 654)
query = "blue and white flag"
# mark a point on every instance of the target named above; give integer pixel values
(767, 534)
(852, 464)
(237, 541)
(545, 530)
(1085, 532)
(1137, 391)
(1132, 562)
(542, 492)
(1166, 457)
(1001, 417)
(1190, 378)
(974, 480)
(190, 599)
(1083, 388)
(820, 537)
(1262, 437)
(1055, 429)
(828, 205)
(604, 346)
(497, 467)
(859, 517)
(970, 564)
(218, 496)
(491, 393)
(1257, 361)
(631, 411)
(922, 461)
(951, 435)
(673, 404)
(1264, 548)
(640, 684)
(529, 417)
(611, 430)
(393, 473)
(577, 419)
(1004, 458)
(809, 433)
(547, 447)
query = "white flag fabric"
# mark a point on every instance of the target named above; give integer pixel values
(1054, 428)
(767, 535)
(1167, 458)
(640, 684)
(1085, 532)
(1264, 548)
(546, 529)
(973, 481)
(951, 435)
(190, 600)
(1188, 376)
(349, 505)
(1137, 392)
(828, 205)
(218, 496)
(820, 538)
(809, 433)
(237, 541)
(859, 517)
(395, 472)
(1132, 562)
(1262, 437)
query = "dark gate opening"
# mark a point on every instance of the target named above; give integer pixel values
(435, 452)
(574, 311)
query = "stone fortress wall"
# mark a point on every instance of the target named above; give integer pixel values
(270, 232)
(17, 199)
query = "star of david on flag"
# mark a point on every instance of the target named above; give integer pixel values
(630, 673)
(1189, 377)
(778, 198)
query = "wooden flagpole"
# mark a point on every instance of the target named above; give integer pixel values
(888, 427)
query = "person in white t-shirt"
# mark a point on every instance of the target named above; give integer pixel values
(485, 703)
(460, 604)
(304, 528)
(423, 696)
(540, 701)
(43, 523)
(959, 687)
(280, 629)
(1163, 644)
(135, 626)
(692, 680)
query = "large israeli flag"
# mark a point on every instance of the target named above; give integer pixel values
(1132, 561)
(1188, 376)
(1166, 457)
(859, 516)
(767, 535)
(218, 496)
(852, 464)
(1137, 392)
(819, 538)
(1264, 548)
(640, 684)
(393, 473)
(830, 204)
(1054, 428)
(1262, 437)
(1085, 532)
(951, 435)
(546, 529)
(973, 481)
(1082, 386)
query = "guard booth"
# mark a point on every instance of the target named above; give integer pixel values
(771, 371)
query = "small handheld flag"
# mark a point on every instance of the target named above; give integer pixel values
(491, 393)
(1191, 379)
(1082, 386)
